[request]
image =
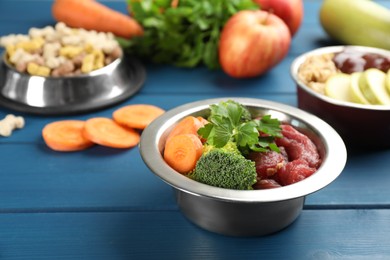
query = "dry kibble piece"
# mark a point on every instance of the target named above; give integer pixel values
(38, 70)
(316, 70)
(87, 64)
(48, 47)
(64, 69)
(9, 123)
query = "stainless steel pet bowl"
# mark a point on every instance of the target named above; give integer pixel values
(360, 126)
(239, 212)
(71, 94)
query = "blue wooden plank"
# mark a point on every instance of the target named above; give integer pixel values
(96, 178)
(364, 181)
(171, 80)
(107, 178)
(168, 235)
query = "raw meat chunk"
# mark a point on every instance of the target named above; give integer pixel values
(298, 146)
(294, 171)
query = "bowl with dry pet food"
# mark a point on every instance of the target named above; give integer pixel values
(62, 70)
(348, 87)
(242, 166)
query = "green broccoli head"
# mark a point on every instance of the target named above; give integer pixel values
(229, 147)
(225, 168)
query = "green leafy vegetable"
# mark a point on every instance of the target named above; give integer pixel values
(222, 167)
(184, 36)
(229, 121)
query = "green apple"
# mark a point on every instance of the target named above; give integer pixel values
(372, 83)
(356, 22)
(356, 94)
(338, 87)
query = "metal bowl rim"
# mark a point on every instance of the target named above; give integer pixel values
(297, 62)
(332, 165)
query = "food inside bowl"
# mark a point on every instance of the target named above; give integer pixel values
(350, 75)
(60, 51)
(231, 149)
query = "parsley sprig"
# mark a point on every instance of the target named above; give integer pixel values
(231, 121)
(184, 36)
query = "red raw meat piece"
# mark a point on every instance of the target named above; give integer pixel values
(298, 146)
(294, 171)
(268, 163)
(266, 184)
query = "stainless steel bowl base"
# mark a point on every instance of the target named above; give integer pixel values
(239, 219)
(71, 95)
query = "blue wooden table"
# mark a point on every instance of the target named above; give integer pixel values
(104, 203)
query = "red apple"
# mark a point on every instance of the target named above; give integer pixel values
(252, 42)
(291, 11)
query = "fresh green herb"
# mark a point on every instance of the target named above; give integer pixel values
(184, 36)
(229, 122)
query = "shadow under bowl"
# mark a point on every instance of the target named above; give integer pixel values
(244, 212)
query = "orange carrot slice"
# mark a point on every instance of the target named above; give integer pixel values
(182, 152)
(137, 116)
(188, 125)
(202, 120)
(107, 132)
(66, 136)
(92, 15)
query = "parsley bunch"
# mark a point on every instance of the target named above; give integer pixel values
(230, 121)
(184, 36)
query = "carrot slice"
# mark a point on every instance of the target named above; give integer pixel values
(92, 15)
(137, 116)
(188, 125)
(182, 152)
(204, 121)
(66, 136)
(107, 132)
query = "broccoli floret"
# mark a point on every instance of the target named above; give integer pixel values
(226, 168)
(229, 147)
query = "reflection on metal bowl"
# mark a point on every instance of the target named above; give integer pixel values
(244, 212)
(70, 94)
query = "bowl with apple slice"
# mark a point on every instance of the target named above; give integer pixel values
(348, 87)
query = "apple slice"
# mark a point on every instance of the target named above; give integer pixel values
(388, 81)
(356, 94)
(373, 86)
(338, 87)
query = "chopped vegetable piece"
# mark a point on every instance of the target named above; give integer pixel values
(182, 152)
(137, 116)
(188, 125)
(66, 136)
(107, 132)
(225, 168)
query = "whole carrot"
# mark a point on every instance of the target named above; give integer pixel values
(92, 15)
